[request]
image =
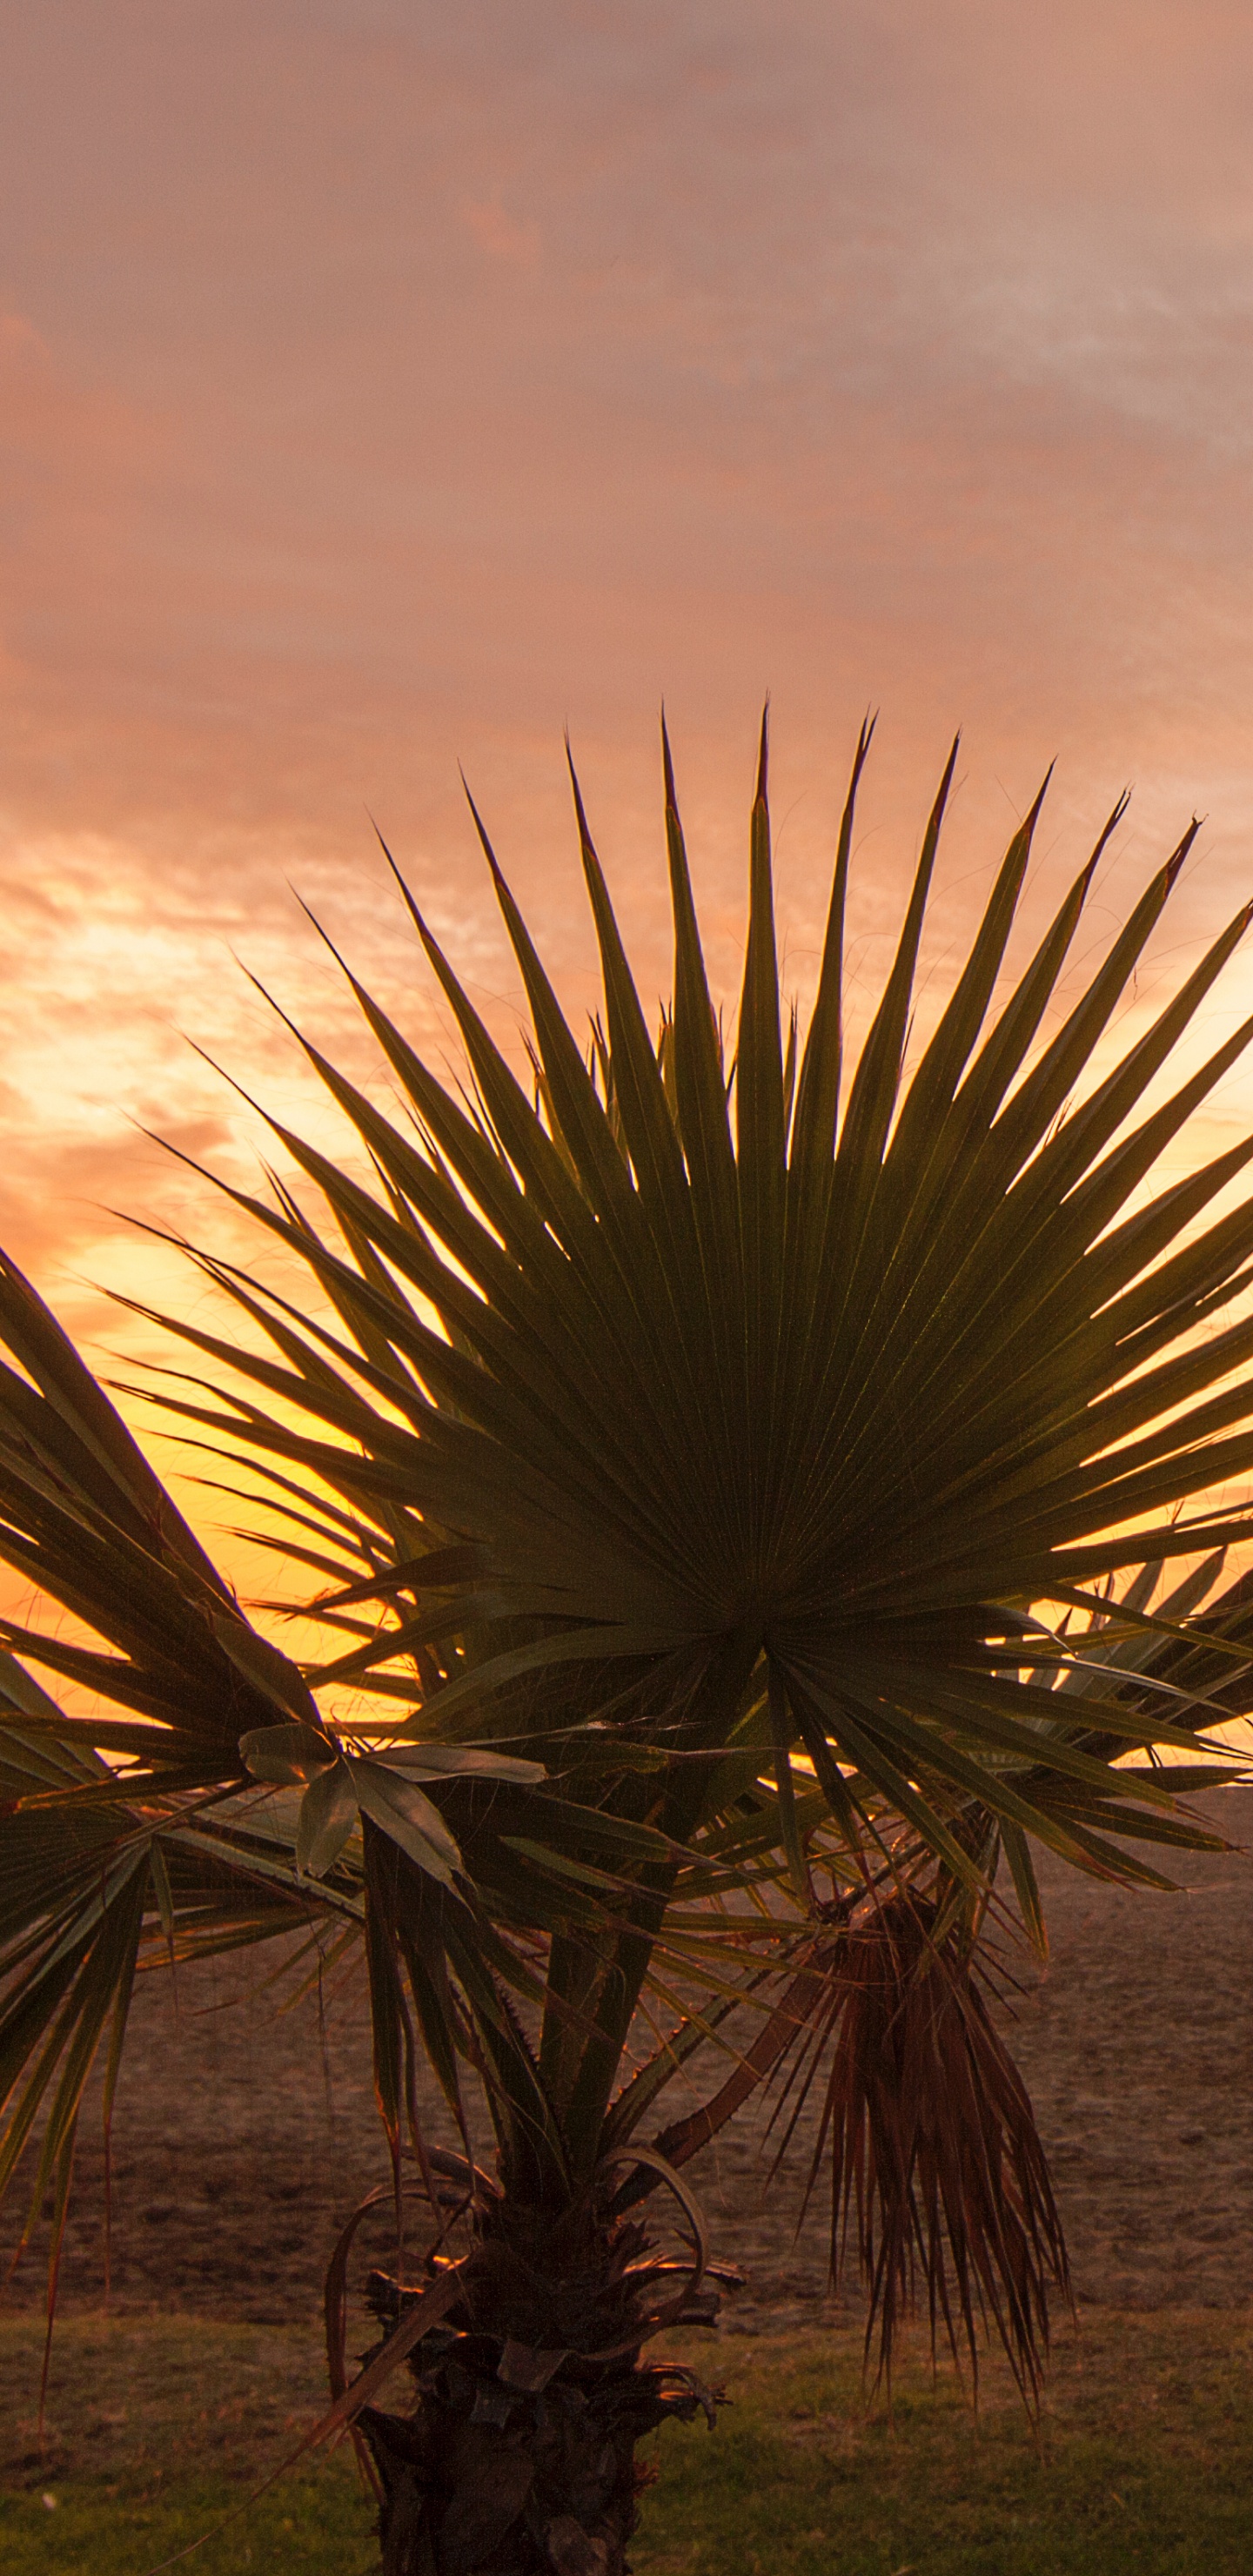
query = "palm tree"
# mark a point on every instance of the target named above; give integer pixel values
(733, 1510)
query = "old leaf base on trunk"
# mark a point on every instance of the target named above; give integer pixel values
(518, 2458)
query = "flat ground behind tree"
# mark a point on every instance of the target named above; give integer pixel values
(245, 2135)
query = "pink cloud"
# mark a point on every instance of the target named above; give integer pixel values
(500, 235)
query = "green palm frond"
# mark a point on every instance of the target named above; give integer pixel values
(713, 1384)
(148, 1814)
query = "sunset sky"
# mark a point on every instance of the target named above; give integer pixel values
(385, 385)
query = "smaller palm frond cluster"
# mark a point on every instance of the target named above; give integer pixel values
(717, 1480)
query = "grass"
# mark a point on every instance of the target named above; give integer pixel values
(319, 2525)
(156, 2431)
(1145, 2463)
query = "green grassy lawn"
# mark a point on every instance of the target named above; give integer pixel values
(1145, 2461)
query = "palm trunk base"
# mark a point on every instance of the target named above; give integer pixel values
(486, 2478)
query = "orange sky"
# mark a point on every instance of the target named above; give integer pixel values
(384, 384)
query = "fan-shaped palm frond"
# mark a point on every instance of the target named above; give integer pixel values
(729, 1384)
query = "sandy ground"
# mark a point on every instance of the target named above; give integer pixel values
(244, 2136)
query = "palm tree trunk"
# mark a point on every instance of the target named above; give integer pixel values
(547, 2486)
(515, 2462)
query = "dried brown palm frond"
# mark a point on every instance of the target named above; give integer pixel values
(936, 2164)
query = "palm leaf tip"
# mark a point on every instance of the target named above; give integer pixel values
(763, 756)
